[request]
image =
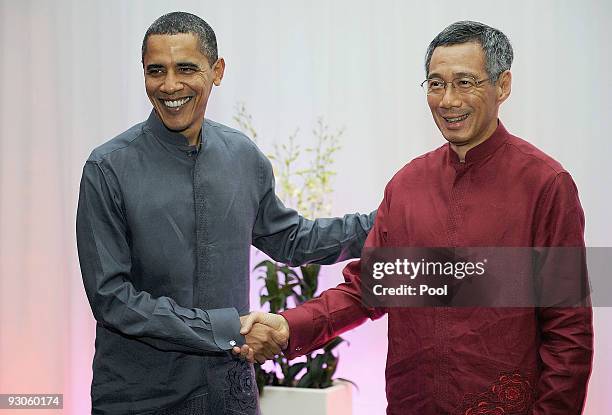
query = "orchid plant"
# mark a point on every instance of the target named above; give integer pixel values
(304, 182)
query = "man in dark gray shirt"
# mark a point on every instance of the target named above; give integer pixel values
(167, 213)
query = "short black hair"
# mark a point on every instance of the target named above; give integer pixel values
(495, 45)
(183, 22)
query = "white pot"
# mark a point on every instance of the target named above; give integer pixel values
(280, 400)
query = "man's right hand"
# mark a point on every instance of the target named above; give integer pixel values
(266, 335)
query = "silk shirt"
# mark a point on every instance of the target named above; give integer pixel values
(470, 361)
(164, 232)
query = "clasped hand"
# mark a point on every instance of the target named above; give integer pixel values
(266, 336)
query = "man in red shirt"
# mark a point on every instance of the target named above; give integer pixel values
(484, 188)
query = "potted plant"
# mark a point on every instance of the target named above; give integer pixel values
(303, 183)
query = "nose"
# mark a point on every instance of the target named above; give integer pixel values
(171, 83)
(450, 98)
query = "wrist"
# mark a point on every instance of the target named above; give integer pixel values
(284, 331)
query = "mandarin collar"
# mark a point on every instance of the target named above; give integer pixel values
(484, 149)
(157, 127)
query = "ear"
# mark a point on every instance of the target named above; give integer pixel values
(504, 86)
(218, 69)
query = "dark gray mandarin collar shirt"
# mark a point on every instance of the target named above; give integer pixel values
(164, 233)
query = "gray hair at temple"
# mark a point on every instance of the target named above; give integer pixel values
(182, 22)
(495, 45)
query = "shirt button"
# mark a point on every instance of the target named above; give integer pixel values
(232, 343)
(297, 349)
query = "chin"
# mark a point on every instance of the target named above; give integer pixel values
(456, 136)
(174, 127)
(452, 138)
(173, 124)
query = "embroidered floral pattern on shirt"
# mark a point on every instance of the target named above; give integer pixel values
(511, 394)
(242, 388)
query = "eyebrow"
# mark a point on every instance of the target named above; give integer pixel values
(462, 74)
(188, 65)
(154, 66)
(455, 75)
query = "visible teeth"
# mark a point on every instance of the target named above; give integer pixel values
(456, 119)
(176, 103)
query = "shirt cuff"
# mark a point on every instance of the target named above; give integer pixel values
(301, 327)
(225, 324)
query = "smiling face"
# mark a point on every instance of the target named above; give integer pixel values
(178, 80)
(465, 120)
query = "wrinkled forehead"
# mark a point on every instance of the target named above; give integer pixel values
(457, 60)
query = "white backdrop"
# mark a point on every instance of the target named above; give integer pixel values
(70, 79)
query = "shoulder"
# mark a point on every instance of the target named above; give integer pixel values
(528, 156)
(419, 169)
(118, 145)
(535, 169)
(240, 146)
(242, 149)
(232, 138)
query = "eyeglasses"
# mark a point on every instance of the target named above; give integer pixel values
(463, 85)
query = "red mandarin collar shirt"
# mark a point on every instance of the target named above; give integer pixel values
(470, 361)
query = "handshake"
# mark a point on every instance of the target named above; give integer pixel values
(266, 336)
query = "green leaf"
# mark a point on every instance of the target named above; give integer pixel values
(265, 263)
(310, 280)
(292, 371)
(312, 378)
(299, 298)
(349, 381)
(264, 299)
(333, 344)
(305, 381)
(272, 286)
(287, 270)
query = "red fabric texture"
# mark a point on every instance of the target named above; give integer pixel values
(470, 361)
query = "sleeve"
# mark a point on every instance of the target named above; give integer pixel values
(105, 260)
(289, 238)
(336, 310)
(566, 349)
